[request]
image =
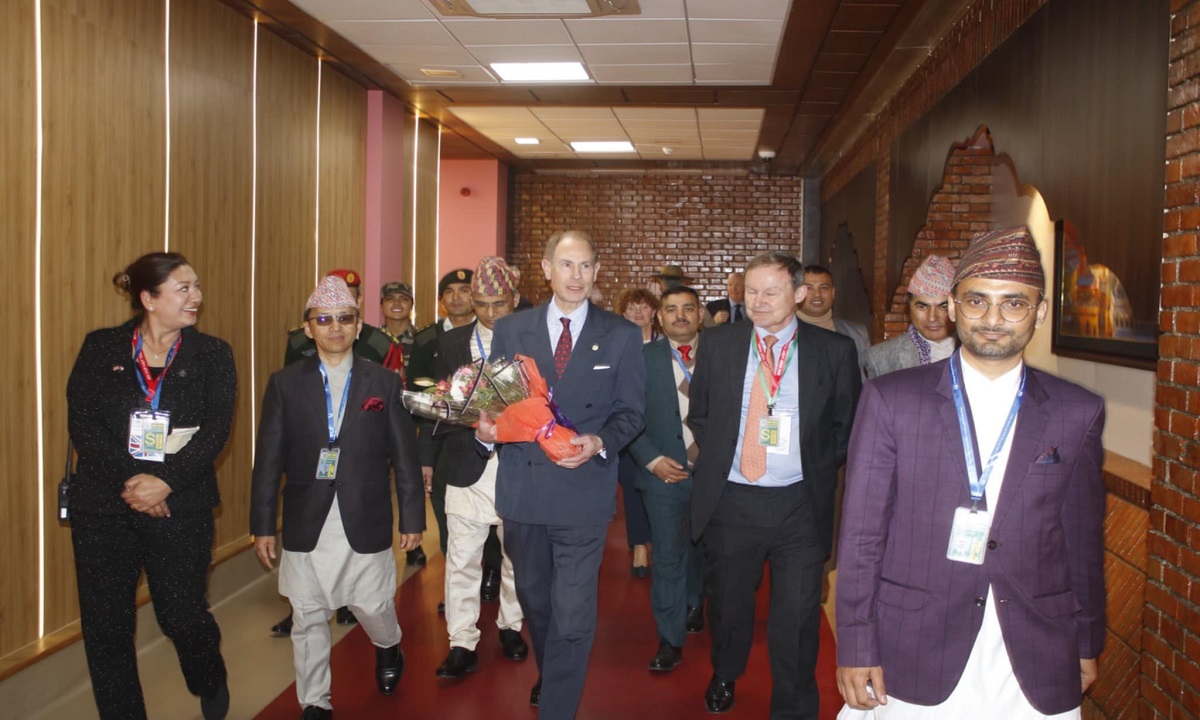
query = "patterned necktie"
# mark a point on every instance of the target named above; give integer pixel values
(685, 352)
(754, 455)
(562, 352)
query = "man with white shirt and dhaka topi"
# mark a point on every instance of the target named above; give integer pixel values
(930, 334)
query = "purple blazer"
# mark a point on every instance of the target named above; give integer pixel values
(902, 605)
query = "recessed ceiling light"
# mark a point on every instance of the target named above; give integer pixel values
(540, 72)
(527, 141)
(606, 146)
(441, 73)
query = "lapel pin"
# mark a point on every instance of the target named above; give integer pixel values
(183, 373)
(595, 348)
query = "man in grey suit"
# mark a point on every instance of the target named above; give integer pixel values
(337, 429)
(771, 405)
(971, 578)
(930, 335)
(665, 452)
(556, 516)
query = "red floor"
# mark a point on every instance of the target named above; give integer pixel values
(619, 685)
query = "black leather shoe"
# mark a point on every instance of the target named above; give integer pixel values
(283, 628)
(416, 558)
(215, 706)
(695, 619)
(316, 712)
(489, 591)
(718, 698)
(641, 572)
(667, 658)
(458, 663)
(346, 617)
(514, 645)
(389, 665)
(535, 695)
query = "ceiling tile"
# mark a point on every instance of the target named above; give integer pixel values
(663, 54)
(642, 74)
(624, 31)
(712, 54)
(422, 55)
(508, 32)
(495, 115)
(730, 115)
(655, 114)
(572, 113)
(334, 10)
(728, 154)
(487, 54)
(662, 8)
(740, 10)
(471, 75)
(398, 32)
(735, 31)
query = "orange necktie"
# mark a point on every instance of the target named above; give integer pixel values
(754, 455)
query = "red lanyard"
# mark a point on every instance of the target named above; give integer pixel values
(780, 365)
(149, 383)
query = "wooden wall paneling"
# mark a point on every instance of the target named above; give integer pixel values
(343, 170)
(426, 209)
(212, 56)
(409, 145)
(18, 436)
(286, 197)
(104, 165)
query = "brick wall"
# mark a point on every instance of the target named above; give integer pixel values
(1171, 618)
(709, 225)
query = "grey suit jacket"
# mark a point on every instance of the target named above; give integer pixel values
(830, 382)
(601, 391)
(890, 356)
(901, 604)
(377, 436)
(663, 434)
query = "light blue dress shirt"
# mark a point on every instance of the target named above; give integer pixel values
(781, 469)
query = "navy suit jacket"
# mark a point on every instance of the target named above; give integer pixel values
(601, 392)
(901, 604)
(829, 385)
(663, 434)
(373, 442)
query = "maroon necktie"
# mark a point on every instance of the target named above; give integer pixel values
(562, 353)
(685, 352)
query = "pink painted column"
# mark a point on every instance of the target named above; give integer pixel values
(472, 212)
(384, 251)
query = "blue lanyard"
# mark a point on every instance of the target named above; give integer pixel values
(976, 482)
(329, 417)
(479, 341)
(143, 373)
(682, 365)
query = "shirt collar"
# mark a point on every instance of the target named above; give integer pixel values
(784, 335)
(577, 316)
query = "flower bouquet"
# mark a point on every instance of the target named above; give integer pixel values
(512, 392)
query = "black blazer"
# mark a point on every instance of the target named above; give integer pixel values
(450, 449)
(291, 434)
(200, 389)
(829, 386)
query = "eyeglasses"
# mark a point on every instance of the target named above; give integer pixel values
(342, 319)
(1013, 310)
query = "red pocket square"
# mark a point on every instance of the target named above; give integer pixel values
(373, 404)
(1050, 457)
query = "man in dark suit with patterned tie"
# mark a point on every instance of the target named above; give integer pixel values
(733, 305)
(556, 516)
(772, 403)
(665, 453)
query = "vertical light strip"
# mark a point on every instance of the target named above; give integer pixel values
(167, 73)
(37, 321)
(437, 213)
(253, 237)
(412, 258)
(317, 199)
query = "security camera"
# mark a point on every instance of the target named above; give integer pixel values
(766, 155)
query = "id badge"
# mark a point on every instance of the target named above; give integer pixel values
(775, 434)
(148, 432)
(327, 463)
(968, 536)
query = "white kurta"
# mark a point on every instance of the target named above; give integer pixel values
(988, 688)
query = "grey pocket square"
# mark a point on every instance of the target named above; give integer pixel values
(1050, 457)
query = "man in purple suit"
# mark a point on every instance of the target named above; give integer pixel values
(971, 577)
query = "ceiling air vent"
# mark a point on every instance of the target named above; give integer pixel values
(535, 8)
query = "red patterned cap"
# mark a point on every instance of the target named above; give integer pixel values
(1007, 254)
(352, 278)
(493, 277)
(935, 277)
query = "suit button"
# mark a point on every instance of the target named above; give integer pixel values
(678, 437)
(991, 545)
(979, 601)
(589, 405)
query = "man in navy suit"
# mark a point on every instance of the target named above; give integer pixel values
(771, 405)
(965, 600)
(556, 516)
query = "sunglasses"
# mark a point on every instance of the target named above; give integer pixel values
(342, 319)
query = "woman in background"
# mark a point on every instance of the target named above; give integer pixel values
(640, 307)
(149, 405)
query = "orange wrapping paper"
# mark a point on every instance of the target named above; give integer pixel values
(527, 420)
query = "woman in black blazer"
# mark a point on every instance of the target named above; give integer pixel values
(144, 489)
